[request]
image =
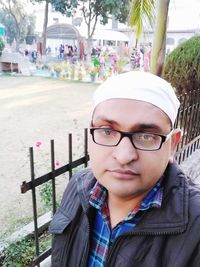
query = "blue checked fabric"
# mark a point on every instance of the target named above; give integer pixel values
(102, 234)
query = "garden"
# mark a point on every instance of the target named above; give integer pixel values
(99, 69)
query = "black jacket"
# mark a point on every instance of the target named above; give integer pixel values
(166, 237)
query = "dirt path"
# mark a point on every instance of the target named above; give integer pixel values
(35, 109)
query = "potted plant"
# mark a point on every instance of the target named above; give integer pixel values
(57, 68)
(93, 74)
(73, 72)
(65, 67)
(80, 73)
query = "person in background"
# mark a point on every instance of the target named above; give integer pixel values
(114, 63)
(146, 58)
(133, 207)
(34, 56)
(133, 60)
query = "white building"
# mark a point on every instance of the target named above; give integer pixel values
(184, 22)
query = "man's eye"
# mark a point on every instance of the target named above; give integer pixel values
(107, 131)
(146, 137)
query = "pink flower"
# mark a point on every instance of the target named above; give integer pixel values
(57, 163)
(38, 144)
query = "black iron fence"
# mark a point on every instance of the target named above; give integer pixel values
(50, 176)
(188, 120)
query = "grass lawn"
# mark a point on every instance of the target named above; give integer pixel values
(36, 109)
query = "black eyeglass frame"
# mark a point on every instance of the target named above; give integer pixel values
(164, 138)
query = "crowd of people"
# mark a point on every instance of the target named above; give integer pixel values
(140, 58)
(64, 52)
(103, 57)
(67, 51)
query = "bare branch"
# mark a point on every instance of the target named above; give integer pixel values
(94, 25)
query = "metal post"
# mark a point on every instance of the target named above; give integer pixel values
(37, 251)
(53, 176)
(70, 153)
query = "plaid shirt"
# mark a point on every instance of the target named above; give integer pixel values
(102, 234)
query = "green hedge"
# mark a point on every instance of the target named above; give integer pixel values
(182, 66)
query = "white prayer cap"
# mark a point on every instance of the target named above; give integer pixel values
(140, 85)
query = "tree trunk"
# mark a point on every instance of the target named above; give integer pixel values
(89, 45)
(17, 38)
(89, 42)
(159, 40)
(44, 32)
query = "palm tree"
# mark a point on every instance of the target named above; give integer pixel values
(44, 32)
(145, 12)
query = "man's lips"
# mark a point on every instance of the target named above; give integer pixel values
(123, 173)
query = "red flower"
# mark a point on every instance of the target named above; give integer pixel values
(38, 144)
(57, 163)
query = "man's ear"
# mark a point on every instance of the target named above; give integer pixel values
(175, 140)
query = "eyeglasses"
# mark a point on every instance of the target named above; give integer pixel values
(140, 140)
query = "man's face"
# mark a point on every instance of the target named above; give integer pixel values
(123, 170)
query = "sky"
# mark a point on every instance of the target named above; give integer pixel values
(184, 14)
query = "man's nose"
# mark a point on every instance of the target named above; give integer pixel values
(125, 152)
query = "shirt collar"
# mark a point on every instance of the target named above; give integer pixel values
(98, 198)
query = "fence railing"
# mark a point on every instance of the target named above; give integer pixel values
(50, 176)
(188, 120)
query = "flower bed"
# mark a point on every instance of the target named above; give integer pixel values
(98, 70)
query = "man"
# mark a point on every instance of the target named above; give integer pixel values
(133, 207)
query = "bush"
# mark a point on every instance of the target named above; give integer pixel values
(2, 45)
(73, 72)
(182, 68)
(57, 68)
(46, 196)
(121, 63)
(19, 254)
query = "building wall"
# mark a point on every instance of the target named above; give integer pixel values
(174, 38)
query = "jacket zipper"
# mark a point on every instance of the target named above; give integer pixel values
(86, 251)
(65, 251)
(119, 240)
(111, 251)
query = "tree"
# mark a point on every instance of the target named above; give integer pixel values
(30, 35)
(26, 29)
(143, 11)
(159, 40)
(92, 11)
(45, 23)
(17, 23)
(2, 45)
(182, 68)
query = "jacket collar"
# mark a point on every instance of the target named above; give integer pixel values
(172, 217)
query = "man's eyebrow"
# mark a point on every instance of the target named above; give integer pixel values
(138, 127)
(148, 126)
(104, 119)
